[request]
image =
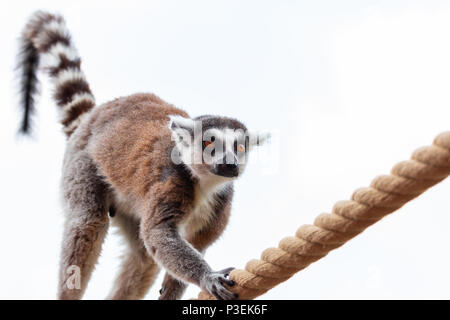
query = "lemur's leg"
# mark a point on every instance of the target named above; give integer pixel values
(138, 270)
(86, 197)
(172, 288)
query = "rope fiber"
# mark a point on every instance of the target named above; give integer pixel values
(386, 194)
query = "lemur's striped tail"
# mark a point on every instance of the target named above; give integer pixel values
(46, 43)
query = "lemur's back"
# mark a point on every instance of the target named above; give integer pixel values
(130, 141)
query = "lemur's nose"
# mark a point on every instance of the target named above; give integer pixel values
(232, 166)
(227, 169)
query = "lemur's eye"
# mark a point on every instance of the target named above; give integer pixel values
(241, 148)
(209, 143)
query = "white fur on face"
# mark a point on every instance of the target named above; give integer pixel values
(224, 140)
(188, 137)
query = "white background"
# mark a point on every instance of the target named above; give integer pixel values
(352, 87)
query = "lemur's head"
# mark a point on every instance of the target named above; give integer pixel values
(213, 145)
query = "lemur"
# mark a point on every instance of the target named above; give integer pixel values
(129, 161)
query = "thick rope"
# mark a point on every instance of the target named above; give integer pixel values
(408, 179)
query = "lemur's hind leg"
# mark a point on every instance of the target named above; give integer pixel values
(172, 289)
(86, 202)
(138, 270)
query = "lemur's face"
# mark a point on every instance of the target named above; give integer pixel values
(211, 145)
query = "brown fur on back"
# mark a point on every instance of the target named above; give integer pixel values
(131, 142)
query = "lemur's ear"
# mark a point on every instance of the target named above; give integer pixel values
(182, 129)
(258, 138)
(179, 122)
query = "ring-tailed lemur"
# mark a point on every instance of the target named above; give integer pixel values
(134, 158)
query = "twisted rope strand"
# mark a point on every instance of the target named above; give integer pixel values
(387, 193)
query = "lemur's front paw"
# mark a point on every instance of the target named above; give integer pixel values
(214, 282)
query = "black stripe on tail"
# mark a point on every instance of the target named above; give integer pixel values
(27, 65)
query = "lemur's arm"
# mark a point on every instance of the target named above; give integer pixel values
(180, 259)
(175, 254)
(172, 288)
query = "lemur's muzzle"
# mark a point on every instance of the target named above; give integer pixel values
(227, 168)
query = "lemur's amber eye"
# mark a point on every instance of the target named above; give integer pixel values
(240, 148)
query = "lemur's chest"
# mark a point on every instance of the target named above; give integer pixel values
(202, 210)
(200, 213)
